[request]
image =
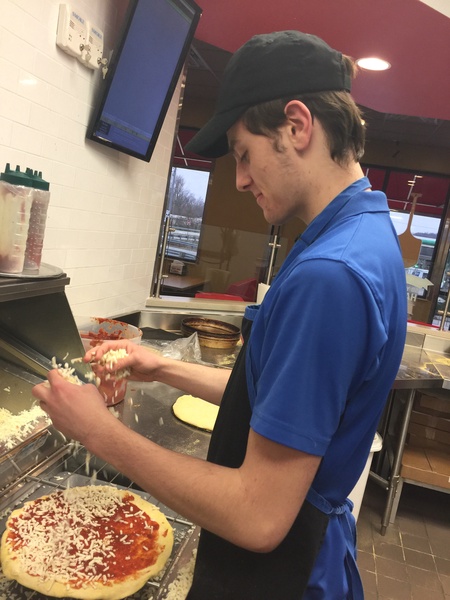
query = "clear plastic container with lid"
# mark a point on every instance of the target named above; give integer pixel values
(38, 220)
(16, 196)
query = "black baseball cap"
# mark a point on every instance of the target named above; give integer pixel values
(269, 66)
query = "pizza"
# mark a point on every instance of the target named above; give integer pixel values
(92, 542)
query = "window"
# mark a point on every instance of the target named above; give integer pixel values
(186, 203)
(186, 198)
(431, 194)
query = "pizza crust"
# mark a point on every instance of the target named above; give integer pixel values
(195, 411)
(14, 563)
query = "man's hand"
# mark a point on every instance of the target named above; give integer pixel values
(142, 363)
(76, 411)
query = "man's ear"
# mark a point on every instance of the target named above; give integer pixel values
(299, 123)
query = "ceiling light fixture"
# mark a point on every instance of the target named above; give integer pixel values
(373, 64)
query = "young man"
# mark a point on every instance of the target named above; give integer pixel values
(299, 412)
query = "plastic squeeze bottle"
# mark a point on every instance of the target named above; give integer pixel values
(38, 219)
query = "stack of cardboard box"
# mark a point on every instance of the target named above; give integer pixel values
(426, 458)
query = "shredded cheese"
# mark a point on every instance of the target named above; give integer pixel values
(67, 372)
(111, 357)
(179, 588)
(14, 429)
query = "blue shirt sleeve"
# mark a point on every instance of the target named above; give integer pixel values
(313, 343)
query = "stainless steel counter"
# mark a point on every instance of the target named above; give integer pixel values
(417, 370)
(426, 359)
(147, 409)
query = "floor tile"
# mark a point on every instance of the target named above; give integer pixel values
(391, 568)
(412, 560)
(419, 559)
(440, 547)
(424, 579)
(442, 566)
(445, 580)
(393, 589)
(412, 524)
(420, 593)
(369, 581)
(390, 551)
(415, 542)
(439, 529)
(366, 561)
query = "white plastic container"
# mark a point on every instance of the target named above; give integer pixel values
(15, 207)
(95, 330)
(356, 495)
(263, 288)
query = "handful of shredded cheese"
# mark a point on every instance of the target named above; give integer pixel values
(67, 372)
(109, 358)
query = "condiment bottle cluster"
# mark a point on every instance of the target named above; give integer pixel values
(24, 199)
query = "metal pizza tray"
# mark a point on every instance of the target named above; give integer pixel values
(42, 486)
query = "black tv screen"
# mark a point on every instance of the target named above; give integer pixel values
(143, 74)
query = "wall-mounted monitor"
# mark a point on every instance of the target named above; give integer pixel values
(142, 76)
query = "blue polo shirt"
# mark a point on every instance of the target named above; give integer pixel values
(327, 341)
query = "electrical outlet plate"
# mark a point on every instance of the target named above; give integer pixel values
(72, 30)
(92, 54)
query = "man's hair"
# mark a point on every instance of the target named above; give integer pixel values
(337, 112)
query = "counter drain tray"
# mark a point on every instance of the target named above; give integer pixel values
(43, 485)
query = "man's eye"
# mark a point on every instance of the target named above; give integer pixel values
(240, 158)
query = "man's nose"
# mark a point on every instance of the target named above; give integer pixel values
(243, 179)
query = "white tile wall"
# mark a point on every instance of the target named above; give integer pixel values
(105, 208)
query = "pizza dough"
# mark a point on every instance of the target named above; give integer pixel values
(92, 542)
(195, 411)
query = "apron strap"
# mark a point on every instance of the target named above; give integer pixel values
(322, 503)
(347, 530)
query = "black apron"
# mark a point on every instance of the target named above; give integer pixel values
(224, 571)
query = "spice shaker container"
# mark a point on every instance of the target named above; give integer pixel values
(38, 219)
(16, 195)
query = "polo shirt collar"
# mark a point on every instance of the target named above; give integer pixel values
(341, 207)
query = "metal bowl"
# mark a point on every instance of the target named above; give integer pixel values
(211, 333)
